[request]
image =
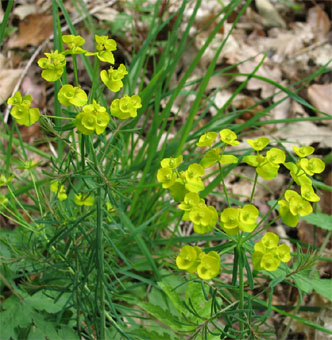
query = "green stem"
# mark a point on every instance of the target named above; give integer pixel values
(75, 69)
(223, 184)
(253, 188)
(241, 282)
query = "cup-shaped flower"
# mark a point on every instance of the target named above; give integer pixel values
(270, 240)
(211, 157)
(207, 139)
(228, 137)
(270, 262)
(258, 144)
(286, 216)
(113, 77)
(53, 66)
(312, 166)
(104, 47)
(166, 177)
(70, 95)
(276, 156)
(74, 43)
(303, 151)
(126, 107)
(200, 215)
(208, 221)
(189, 258)
(192, 177)
(308, 193)
(24, 115)
(209, 266)
(17, 99)
(60, 192)
(297, 205)
(229, 219)
(171, 163)
(283, 252)
(84, 199)
(298, 175)
(248, 218)
(190, 201)
(102, 121)
(86, 122)
(93, 118)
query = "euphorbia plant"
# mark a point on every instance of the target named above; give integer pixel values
(240, 225)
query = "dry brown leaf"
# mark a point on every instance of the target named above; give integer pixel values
(32, 31)
(304, 133)
(107, 14)
(24, 10)
(38, 92)
(270, 16)
(319, 21)
(8, 80)
(320, 96)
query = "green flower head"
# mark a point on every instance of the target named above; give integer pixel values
(93, 118)
(24, 115)
(74, 43)
(167, 177)
(70, 95)
(60, 192)
(297, 205)
(304, 151)
(207, 139)
(171, 163)
(270, 240)
(189, 258)
(258, 144)
(206, 217)
(17, 99)
(209, 266)
(312, 166)
(229, 219)
(283, 253)
(211, 157)
(53, 66)
(228, 137)
(104, 47)
(113, 77)
(126, 107)
(83, 199)
(248, 218)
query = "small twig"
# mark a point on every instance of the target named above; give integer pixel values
(40, 48)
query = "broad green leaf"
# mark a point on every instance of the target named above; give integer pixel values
(321, 220)
(173, 296)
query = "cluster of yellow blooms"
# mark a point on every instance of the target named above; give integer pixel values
(184, 187)
(92, 117)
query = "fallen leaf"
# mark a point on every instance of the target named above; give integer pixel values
(33, 30)
(38, 92)
(8, 80)
(107, 14)
(24, 10)
(304, 133)
(270, 16)
(320, 96)
(319, 21)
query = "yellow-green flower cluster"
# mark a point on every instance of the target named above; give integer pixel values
(84, 199)
(295, 205)
(266, 166)
(59, 191)
(235, 219)
(93, 118)
(70, 95)
(268, 254)
(192, 259)
(53, 65)
(113, 78)
(22, 111)
(126, 107)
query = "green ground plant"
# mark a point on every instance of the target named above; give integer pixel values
(94, 248)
